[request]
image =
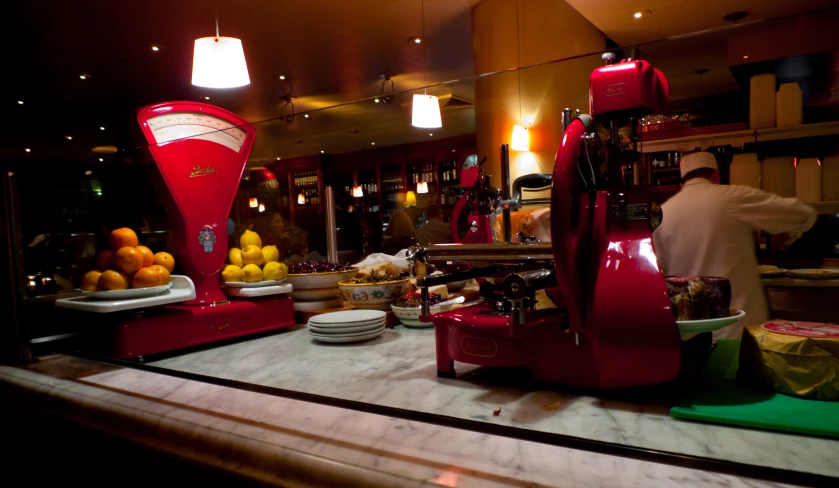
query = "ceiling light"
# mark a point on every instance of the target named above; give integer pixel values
(84, 76)
(637, 15)
(281, 77)
(253, 202)
(301, 199)
(88, 173)
(206, 98)
(430, 134)
(521, 139)
(101, 128)
(372, 143)
(155, 48)
(261, 207)
(417, 40)
(20, 102)
(322, 151)
(101, 159)
(357, 191)
(376, 100)
(426, 112)
(219, 62)
(746, 56)
(422, 187)
(28, 150)
(69, 138)
(279, 159)
(307, 116)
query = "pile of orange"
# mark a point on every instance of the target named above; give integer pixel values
(128, 265)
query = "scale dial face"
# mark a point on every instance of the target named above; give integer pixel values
(191, 125)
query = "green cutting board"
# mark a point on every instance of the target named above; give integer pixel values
(716, 396)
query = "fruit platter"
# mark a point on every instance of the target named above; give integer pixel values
(253, 266)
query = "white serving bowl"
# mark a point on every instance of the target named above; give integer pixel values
(377, 296)
(312, 281)
(409, 316)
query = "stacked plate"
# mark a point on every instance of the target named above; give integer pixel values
(347, 326)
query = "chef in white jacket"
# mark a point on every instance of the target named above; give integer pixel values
(707, 230)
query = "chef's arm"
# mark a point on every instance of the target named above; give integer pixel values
(771, 213)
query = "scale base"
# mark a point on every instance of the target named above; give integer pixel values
(176, 327)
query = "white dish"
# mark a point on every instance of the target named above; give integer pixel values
(254, 284)
(344, 332)
(709, 325)
(182, 290)
(815, 273)
(347, 339)
(316, 294)
(310, 281)
(328, 329)
(258, 292)
(344, 324)
(129, 293)
(347, 317)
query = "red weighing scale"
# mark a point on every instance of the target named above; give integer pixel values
(201, 151)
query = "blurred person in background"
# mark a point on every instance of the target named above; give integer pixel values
(434, 231)
(400, 234)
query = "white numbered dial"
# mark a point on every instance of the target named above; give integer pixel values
(189, 125)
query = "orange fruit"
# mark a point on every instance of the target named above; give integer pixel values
(90, 279)
(163, 272)
(166, 260)
(112, 280)
(105, 260)
(148, 256)
(128, 260)
(123, 237)
(149, 277)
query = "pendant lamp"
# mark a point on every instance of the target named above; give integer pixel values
(425, 112)
(253, 202)
(422, 187)
(301, 199)
(219, 62)
(261, 207)
(357, 191)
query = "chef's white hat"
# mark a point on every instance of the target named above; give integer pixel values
(698, 160)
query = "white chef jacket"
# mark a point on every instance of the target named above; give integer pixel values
(706, 230)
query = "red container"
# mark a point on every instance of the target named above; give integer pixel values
(628, 86)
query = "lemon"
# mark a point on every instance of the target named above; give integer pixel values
(252, 273)
(252, 255)
(231, 273)
(274, 271)
(235, 257)
(271, 254)
(250, 238)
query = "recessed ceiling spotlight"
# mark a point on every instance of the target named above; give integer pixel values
(372, 143)
(638, 15)
(430, 134)
(20, 102)
(84, 76)
(88, 173)
(101, 159)
(307, 116)
(155, 48)
(206, 98)
(101, 128)
(376, 100)
(322, 151)
(69, 138)
(279, 159)
(282, 77)
(745, 56)
(28, 150)
(416, 40)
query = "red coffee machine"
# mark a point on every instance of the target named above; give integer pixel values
(200, 152)
(611, 324)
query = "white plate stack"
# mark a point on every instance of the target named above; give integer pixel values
(347, 326)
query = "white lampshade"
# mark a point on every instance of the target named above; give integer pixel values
(261, 207)
(426, 112)
(521, 139)
(219, 62)
(422, 187)
(301, 199)
(253, 202)
(357, 191)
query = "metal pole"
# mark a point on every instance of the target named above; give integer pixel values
(505, 193)
(331, 229)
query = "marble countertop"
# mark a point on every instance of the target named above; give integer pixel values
(398, 369)
(284, 442)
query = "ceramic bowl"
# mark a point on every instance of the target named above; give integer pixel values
(409, 316)
(377, 296)
(313, 281)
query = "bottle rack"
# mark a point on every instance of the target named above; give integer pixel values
(369, 183)
(393, 190)
(308, 184)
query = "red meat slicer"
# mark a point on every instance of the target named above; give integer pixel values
(200, 151)
(612, 326)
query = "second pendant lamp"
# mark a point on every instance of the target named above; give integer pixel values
(425, 111)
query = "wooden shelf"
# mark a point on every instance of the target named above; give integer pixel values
(739, 138)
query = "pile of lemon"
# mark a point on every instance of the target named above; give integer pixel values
(252, 262)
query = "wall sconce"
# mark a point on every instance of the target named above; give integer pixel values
(357, 191)
(410, 199)
(422, 187)
(261, 207)
(253, 203)
(521, 139)
(301, 199)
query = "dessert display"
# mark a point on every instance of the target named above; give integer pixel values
(253, 263)
(128, 265)
(794, 358)
(699, 298)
